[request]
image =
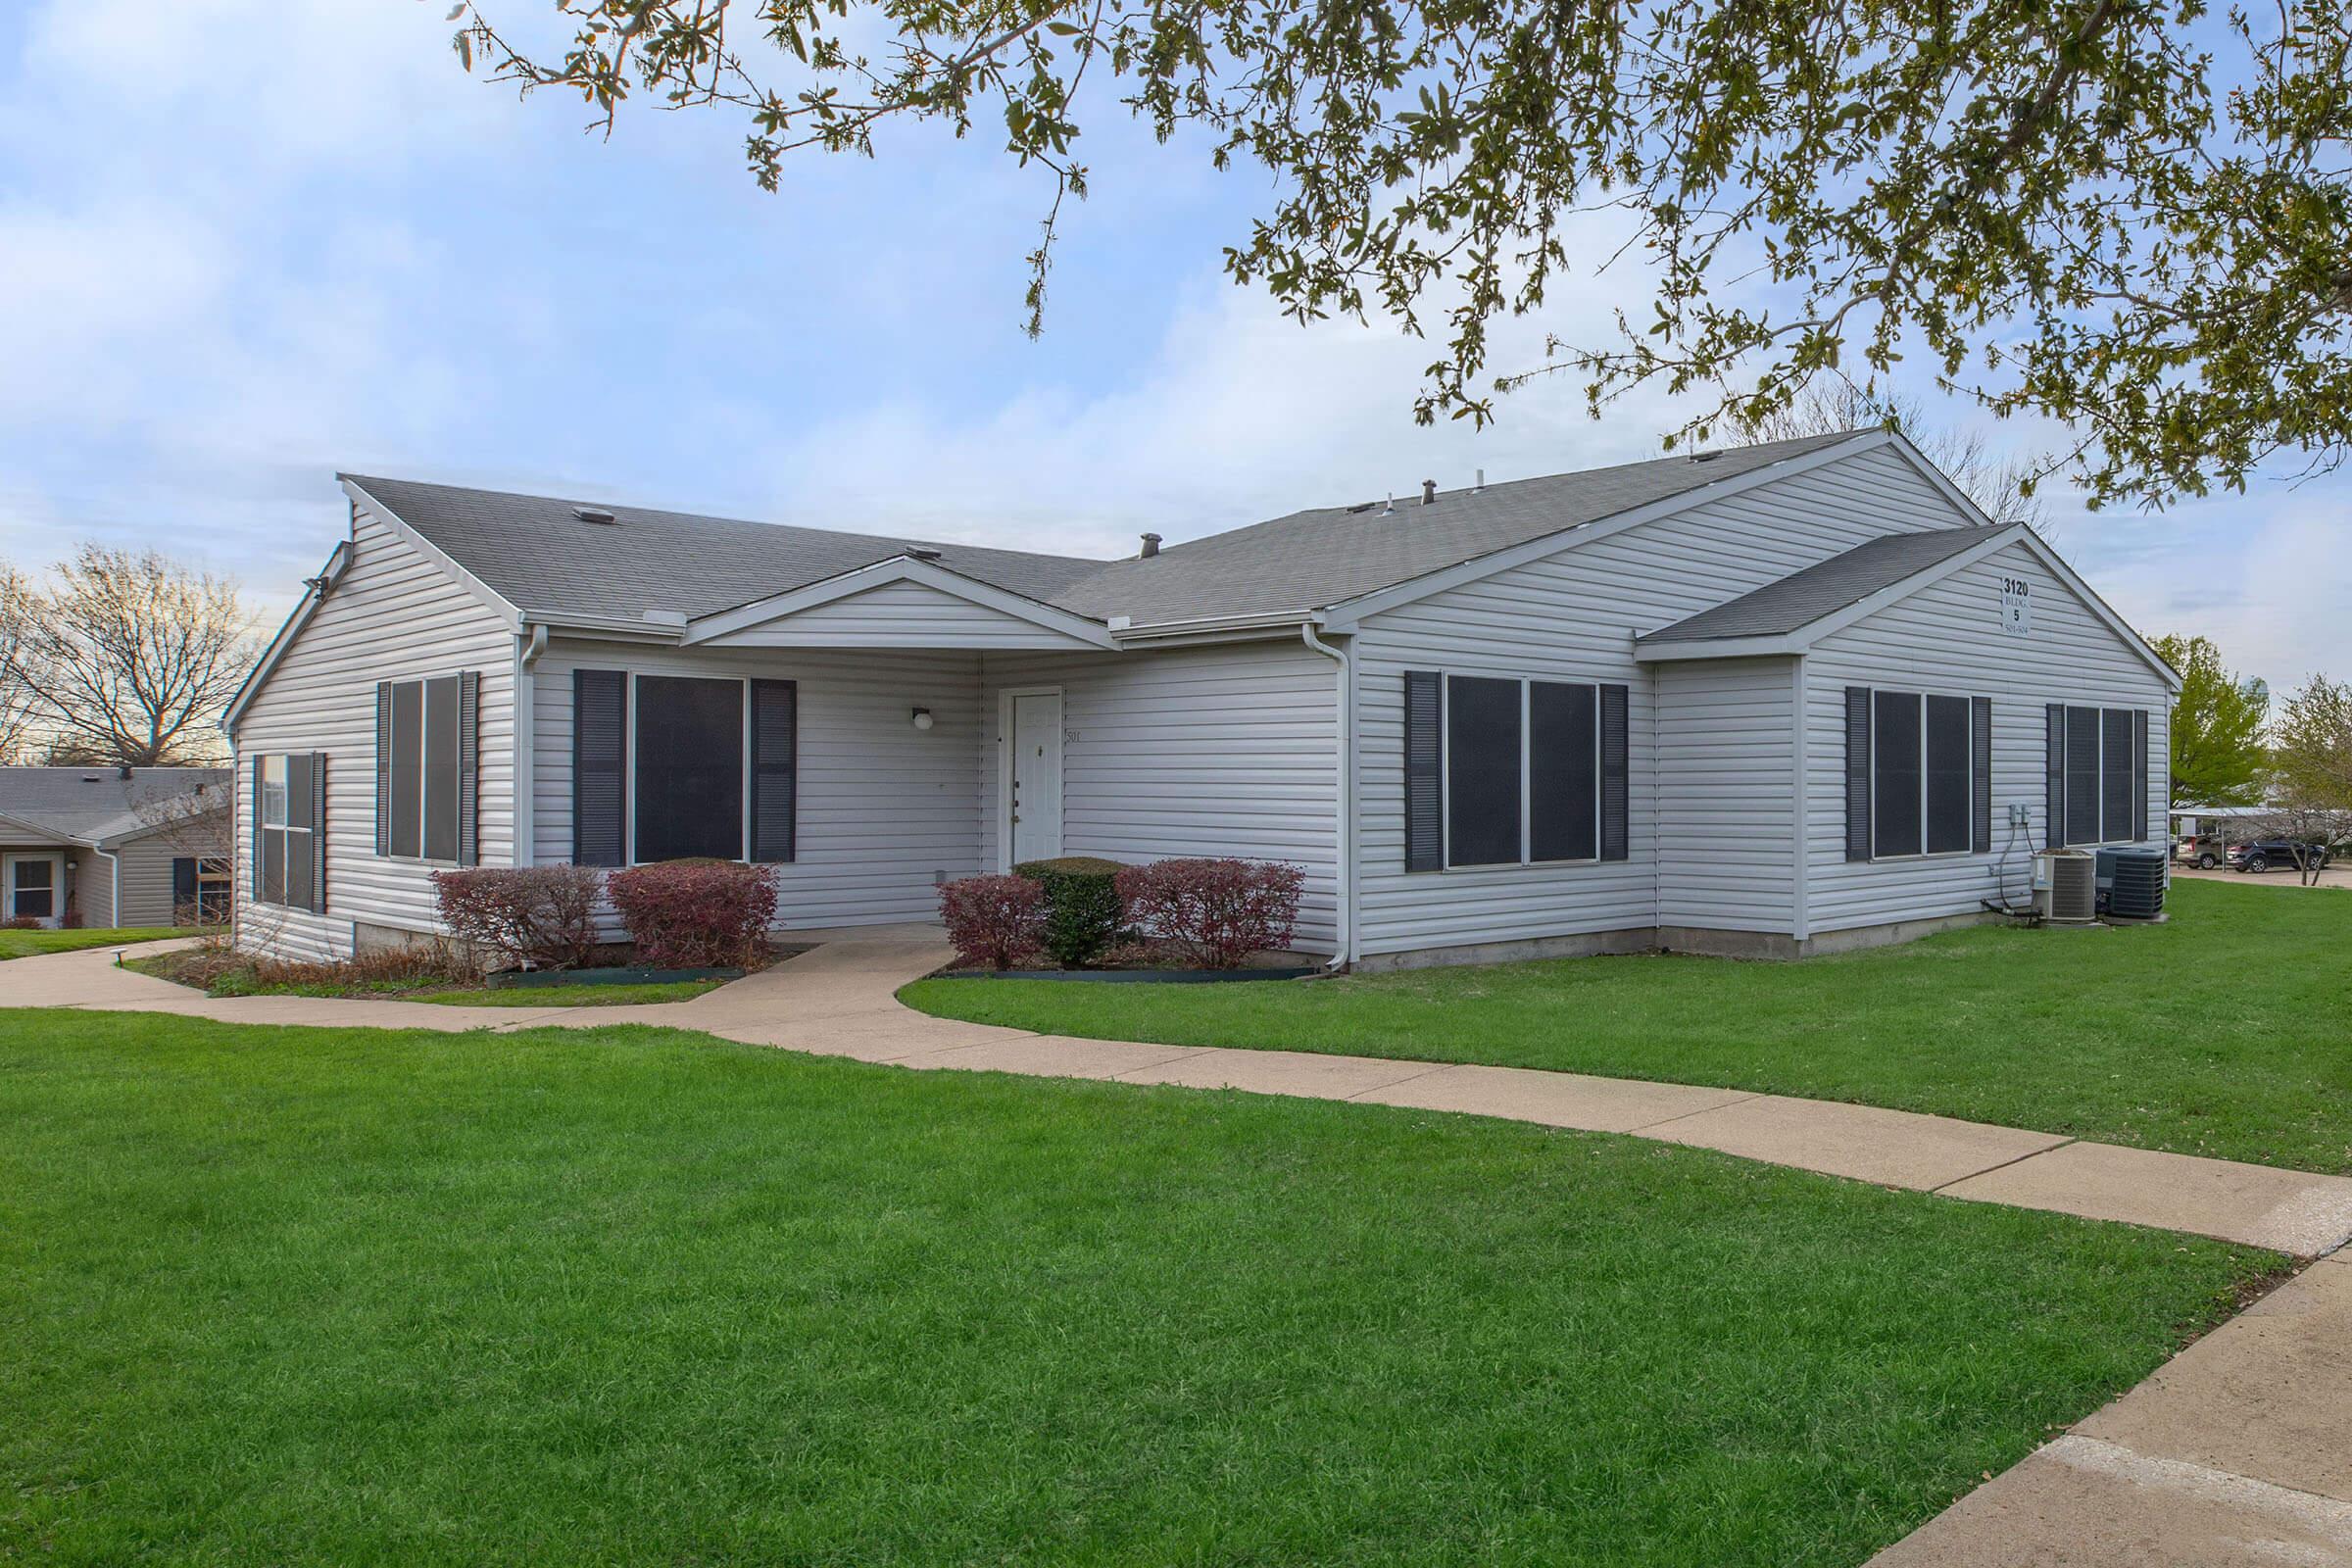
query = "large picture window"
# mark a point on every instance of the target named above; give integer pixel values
(2098, 771)
(671, 767)
(1522, 771)
(1915, 760)
(425, 768)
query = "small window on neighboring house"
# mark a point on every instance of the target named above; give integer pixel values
(288, 847)
(201, 888)
(425, 768)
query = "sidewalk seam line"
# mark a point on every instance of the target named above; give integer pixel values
(2020, 1159)
(1643, 1129)
(1408, 1078)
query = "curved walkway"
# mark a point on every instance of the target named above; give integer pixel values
(2237, 1451)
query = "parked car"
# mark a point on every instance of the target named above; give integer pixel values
(2261, 855)
(2204, 851)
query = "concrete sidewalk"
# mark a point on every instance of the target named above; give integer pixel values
(2237, 1455)
(840, 1000)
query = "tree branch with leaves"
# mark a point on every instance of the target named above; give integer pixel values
(2131, 217)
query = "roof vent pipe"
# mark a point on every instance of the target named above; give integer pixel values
(1429, 492)
(1150, 547)
(1480, 488)
(1389, 508)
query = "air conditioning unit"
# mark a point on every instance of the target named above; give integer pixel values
(2066, 887)
(2132, 884)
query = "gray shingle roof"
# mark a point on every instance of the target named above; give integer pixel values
(96, 802)
(534, 553)
(1802, 598)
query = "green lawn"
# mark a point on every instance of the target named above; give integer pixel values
(2227, 1031)
(637, 1295)
(26, 944)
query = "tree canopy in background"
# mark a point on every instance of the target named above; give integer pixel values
(2217, 732)
(2130, 217)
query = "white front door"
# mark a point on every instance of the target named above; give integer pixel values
(1035, 800)
(32, 885)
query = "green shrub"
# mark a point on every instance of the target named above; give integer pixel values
(1082, 905)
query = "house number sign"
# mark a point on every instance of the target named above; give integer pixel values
(2017, 607)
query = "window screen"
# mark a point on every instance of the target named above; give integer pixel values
(1563, 771)
(689, 768)
(441, 768)
(2115, 774)
(2082, 775)
(1894, 802)
(1482, 771)
(408, 769)
(1947, 746)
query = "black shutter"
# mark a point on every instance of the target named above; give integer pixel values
(1424, 771)
(775, 777)
(469, 766)
(2053, 786)
(1616, 835)
(600, 719)
(2139, 774)
(318, 833)
(1857, 772)
(254, 890)
(1979, 766)
(383, 768)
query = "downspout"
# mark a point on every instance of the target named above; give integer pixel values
(1344, 871)
(113, 865)
(527, 649)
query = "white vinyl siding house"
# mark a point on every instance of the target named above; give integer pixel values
(1696, 623)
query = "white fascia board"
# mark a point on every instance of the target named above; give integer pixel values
(476, 589)
(1345, 615)
(900, 568)
(1718, 647)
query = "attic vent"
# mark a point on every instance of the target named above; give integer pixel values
(592, 515)
(921, 554)
(1704, 457)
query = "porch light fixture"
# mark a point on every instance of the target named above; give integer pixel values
(922, 718)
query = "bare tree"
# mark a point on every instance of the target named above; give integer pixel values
(16, 698)
(2313, 760)
(130, 657)
(2004, 489)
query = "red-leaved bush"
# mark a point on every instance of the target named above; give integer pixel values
(1218, 912)
(993, 920)
(693, 915)
(537, 916)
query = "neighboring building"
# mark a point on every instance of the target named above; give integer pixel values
(105, 847)
(1771, 701)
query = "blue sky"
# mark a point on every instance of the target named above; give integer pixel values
(246, 243)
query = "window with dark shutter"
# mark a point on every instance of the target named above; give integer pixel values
(1483, 741)
(383, 768)
(1563, 771)
(469, 767)
(689, 775)
(317, 830)
(1424, 771)
(775, 717)
(1857, 773)
(1929, 764)
(1616, 773)
(427, 769)
(600, 723)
